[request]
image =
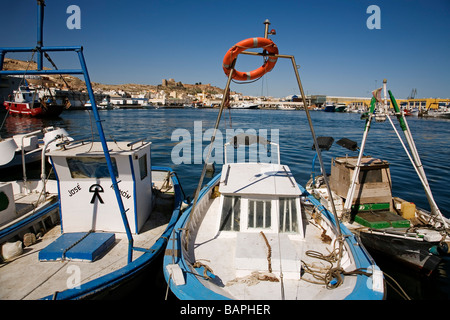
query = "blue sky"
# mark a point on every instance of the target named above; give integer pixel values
(147, 41)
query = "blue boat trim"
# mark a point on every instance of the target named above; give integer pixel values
(363, 260)
(34, 217)
(196, 288)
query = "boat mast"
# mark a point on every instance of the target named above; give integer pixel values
(355, 178)
(417, 164)
(40, 33)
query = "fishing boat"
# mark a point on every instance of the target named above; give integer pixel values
(244, 105)
(26, 102)
(285, 107)
(442, 111)
(253, 233)
(329, 107)
(340, 107)
(387, 225)
(24, 149)
(116, 211)
(29, 207)
(93, 238)
(362, 193)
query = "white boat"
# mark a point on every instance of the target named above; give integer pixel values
(116, 213)
(26, 148)
(284, 107)
(29, 207)
(96, 249)
(441, 112)
(105, 104)
(360, 190)
(255, 234)
(244, 105)
(387, 225)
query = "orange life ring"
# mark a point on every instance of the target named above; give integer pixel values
(232, 54)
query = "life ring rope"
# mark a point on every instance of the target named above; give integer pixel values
(250, 43)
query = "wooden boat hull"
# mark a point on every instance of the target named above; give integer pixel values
(414, 254)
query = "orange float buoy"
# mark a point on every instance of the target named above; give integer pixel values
(249, 43)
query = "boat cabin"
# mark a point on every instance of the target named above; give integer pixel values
(373, 189)
(87, 198)
(259, 197)
(25, 95)
(256, 206)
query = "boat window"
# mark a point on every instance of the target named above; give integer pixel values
(259, 214)
(143, 166)
(90, 167)
(368, 176)
(231, 209)
(288, 215)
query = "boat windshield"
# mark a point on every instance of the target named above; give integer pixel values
(90, 167)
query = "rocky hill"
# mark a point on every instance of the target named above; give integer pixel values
(75, 83)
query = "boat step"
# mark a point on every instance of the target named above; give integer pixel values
(81, 246)
(381, 220)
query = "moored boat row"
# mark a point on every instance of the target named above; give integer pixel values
(253, 232)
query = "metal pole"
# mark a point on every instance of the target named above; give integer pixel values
(316, 144)
(216, 126)
(40, 32)
(266, 30)
(24, 171)
(417, 163)
(2, 59)
(107, 155)
(351, 190)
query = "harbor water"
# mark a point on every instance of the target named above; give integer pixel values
(180, 136)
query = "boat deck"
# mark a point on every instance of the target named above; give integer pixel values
(232, 273)
(25, 277)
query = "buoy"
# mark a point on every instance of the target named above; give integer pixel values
(249, 43)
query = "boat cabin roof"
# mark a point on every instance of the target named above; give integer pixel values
(258, 179)
(94, 149)
(366, 162)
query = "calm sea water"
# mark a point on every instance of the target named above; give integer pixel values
(163, 127)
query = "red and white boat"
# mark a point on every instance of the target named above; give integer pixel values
(27, 102)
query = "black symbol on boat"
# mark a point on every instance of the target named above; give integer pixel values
(96, 189)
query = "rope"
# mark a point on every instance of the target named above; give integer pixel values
(400, 292)
(332, 276)
(269, 252)
(206, 268)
